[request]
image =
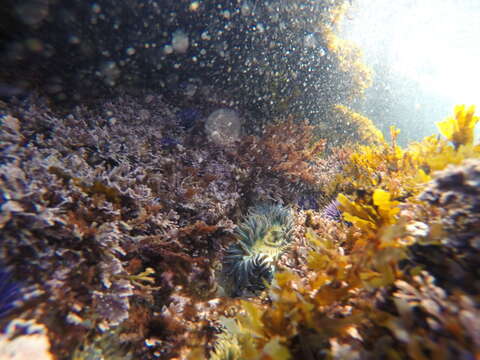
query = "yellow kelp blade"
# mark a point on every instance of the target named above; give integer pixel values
(460, 129)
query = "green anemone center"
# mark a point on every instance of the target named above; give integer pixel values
(272, 244)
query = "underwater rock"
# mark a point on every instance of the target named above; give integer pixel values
(169, 143)
(262, 238)
(8, 91)
(308, 202)
(425, 310)
(79, 229)
(24, 340)
(455, 193)
(188, 117)
(129, 44)
(107, 345)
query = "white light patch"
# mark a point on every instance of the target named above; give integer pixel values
(434, 43)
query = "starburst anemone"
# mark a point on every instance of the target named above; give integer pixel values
(10, 292)
(263, 236)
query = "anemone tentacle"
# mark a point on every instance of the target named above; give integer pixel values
(262, 237)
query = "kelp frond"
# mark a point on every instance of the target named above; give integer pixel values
(459, 129)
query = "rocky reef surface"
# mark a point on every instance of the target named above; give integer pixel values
(119, 225)
(156, 203)
(115, 219)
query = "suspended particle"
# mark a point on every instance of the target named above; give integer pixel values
(310, 41)
(96, 8)
(168, 49)
(226, 14)
(205, 36)
(180, 41)
(246, 8)
(194, 6)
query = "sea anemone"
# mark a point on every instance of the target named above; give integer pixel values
(332, 212)
(264, 235)
(10, 292)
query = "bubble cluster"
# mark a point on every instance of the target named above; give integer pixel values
(223, 126)
(272, 58)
